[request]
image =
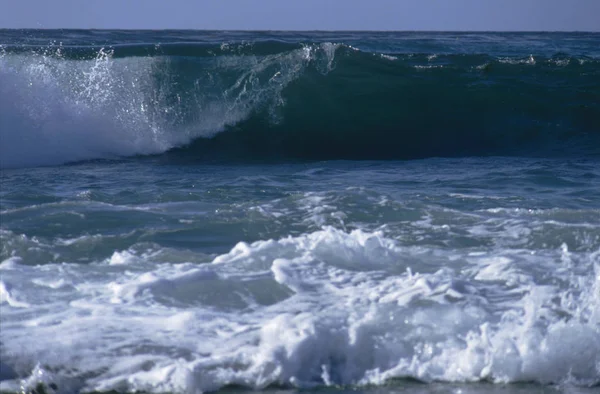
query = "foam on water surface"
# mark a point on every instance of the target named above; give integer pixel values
(326, 308)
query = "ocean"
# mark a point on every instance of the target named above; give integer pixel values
(331, 212)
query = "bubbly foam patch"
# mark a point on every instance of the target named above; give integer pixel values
(325, 308)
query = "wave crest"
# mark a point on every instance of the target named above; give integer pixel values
(282, 100)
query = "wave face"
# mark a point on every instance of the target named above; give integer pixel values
(295, 96)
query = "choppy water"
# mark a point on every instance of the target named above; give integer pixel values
(185, 211)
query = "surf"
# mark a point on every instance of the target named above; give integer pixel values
(285, 100)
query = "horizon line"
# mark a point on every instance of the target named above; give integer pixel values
(302, 30)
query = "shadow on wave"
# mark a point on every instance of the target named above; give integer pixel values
(368, 107)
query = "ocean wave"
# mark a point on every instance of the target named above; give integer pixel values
(289, 100)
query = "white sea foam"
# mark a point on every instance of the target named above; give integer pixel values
(388, 57)
(7, 296)
(529, 61)
(325, 308)
(54, 110)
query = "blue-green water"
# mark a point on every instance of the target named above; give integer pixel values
(196, 211)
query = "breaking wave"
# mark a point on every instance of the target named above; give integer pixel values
(278, 100)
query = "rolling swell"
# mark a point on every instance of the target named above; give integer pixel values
(374, 106)
(282, 100)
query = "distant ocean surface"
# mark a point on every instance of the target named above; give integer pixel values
(187, 211)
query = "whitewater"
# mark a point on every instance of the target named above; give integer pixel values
(188, 212)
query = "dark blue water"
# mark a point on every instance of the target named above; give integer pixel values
(188, 211)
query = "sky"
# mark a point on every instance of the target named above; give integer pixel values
(462, 15)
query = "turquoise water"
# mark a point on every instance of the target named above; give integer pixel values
(204, 211)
